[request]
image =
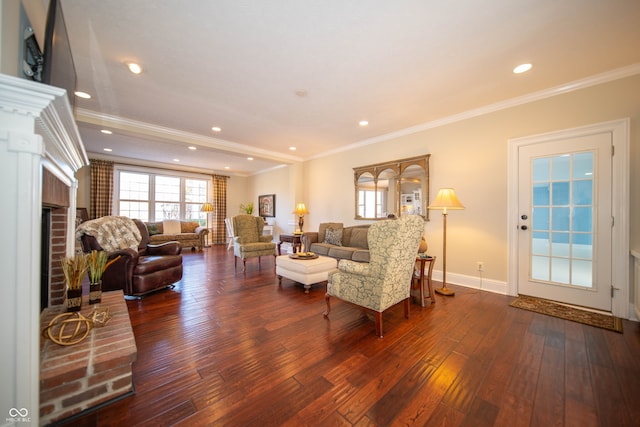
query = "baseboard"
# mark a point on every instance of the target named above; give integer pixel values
(474, 282)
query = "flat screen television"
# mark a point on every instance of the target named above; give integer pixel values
(58, 67)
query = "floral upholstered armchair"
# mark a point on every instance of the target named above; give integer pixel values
(248, 241)
(386, 279)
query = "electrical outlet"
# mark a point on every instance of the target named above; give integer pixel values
(480, 265)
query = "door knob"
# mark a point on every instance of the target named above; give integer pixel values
(523, 227)
(524, 217)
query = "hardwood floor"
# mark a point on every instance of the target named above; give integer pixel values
(235, 349)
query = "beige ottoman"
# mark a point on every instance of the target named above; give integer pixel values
(305, 271)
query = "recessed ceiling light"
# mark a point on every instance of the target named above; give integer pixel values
(80, 94)
(216, 129)
(292, 148)
(363, 123)
(249, 158)
(176, 160)
(191, 147)
(134, 68)
(107, 150)
(106, 131)
(227, 167)
(522, 68)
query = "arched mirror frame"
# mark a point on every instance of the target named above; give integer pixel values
(398, 167)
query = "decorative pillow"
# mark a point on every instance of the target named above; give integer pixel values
(189, 227)
(333, 236)
(153, 228)
(171, 226)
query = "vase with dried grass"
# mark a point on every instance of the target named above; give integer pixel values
(98, 262)
(74, 269)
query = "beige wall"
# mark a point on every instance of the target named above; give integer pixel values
(237, 190)
(471, 156)
(84, 187)
(286, 184)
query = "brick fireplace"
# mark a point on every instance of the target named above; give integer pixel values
(55, 235)
(38, 136)
(40, 153)
(53, 286)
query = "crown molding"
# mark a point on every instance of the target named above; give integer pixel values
(135, 127)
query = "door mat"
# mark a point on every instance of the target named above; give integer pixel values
(562, 311)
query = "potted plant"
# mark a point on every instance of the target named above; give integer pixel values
(98, 262)
(74, 269)
(248, 208)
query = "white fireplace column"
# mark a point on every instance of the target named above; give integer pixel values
(37, 130)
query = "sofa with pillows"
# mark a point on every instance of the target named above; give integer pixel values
(335, 240)
(190, 234)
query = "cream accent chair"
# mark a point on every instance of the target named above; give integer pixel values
(248, 241)
(386, 279)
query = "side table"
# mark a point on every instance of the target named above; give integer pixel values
(418, 274)
(294, 239)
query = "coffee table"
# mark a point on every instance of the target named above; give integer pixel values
(305, 271)
(294, 239)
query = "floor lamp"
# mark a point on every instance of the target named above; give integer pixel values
(207, 208)
(445, 199)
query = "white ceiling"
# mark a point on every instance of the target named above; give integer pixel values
(239, 64)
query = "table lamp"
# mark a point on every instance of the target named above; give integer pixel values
(301, 211)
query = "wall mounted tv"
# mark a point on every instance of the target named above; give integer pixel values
(55, 66)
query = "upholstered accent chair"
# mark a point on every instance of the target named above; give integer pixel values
(248, 241)
(386, 279)
(142, 267)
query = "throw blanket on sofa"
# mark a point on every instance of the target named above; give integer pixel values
(112, 232)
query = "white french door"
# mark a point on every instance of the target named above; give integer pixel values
(565, 220)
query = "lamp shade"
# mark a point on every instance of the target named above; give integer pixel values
(446, 199)
(206, 207)
(300, 209)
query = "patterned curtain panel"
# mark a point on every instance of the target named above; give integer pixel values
(220, 209)
(101, 188)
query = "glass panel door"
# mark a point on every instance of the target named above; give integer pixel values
(562, 219)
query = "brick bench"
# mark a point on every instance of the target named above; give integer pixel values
(95, 371)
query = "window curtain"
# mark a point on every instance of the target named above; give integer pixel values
(220, 209)
(101, 192)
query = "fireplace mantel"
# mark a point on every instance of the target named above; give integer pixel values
(37, 130)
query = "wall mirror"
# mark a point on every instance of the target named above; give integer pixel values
(399, 187)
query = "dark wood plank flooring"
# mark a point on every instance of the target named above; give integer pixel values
(235, 349)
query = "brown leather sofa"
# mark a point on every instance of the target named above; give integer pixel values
(153, 267)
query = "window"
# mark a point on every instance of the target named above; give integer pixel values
(134, 195)
(195, 195)
(368, 203)
(159, 196)
(167, 197)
